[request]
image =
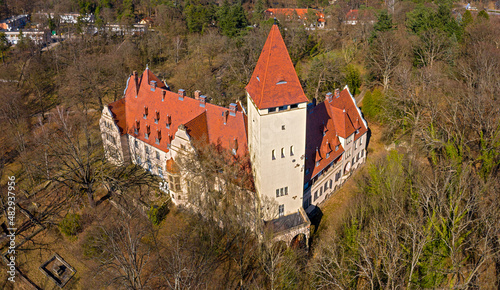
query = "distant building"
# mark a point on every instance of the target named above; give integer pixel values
(298, 14)
(69, 18)
(355, 16)
(13, 23)
(37, 36)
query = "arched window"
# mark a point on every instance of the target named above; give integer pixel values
(282, 152)
(291, 150)
(274, 154)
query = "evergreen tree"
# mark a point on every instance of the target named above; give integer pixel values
(467, 18)
(4, 45)
(384, 22)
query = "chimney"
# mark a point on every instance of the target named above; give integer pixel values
(182, 94)
(163, 93)
(224, 116)
(197, 94)
(337, 93)
(329, 97)
(232, 109)
(136, 79)
(203, 100)
(153, 85)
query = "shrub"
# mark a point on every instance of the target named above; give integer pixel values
(71, 224)
(372, 104)
(157, 214)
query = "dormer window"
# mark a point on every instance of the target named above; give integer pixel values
(148, 131)
(281, 83)
(145, 115)
(336, 147)
(157, 117)
(153, 85)
(169, 121)
(317, 163)
(327, 155)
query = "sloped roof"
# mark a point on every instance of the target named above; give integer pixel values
(326, 122)
(301, 12)
(199, 120)
(274, 81)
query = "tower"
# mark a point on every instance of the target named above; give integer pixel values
(277, 108)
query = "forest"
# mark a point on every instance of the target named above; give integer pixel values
(424, 214)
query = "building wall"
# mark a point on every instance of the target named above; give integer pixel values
(331, 179)
(111, 138)
(278, 131)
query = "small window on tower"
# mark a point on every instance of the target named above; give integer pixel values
(294, 106)
(291, 151)
(282, 152)
(270, 110)
(274, 154)
(277, 193)
(282, 127)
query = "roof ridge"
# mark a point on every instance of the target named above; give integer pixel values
(267, 63)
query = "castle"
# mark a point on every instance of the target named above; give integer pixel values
(300, 152)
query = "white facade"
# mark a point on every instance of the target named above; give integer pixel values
(276, 141)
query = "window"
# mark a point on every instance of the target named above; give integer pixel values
(281, 210)
(336, 147)
(355, 145)
(274, 154)
(291, 150)
(146, 149)
(136, 144)
(315, 195)
(294, 106)
(277, 192)
(326, 186)
(286, 190)
(160, 171)
(282, 108)
(327, 155)
(331, 182)
(157, 141)
(282, 127)
(362, 152)
(282, 152)
(158, 155)
(146, 135)
(360, 143)
(281, 191)
(317, 163)
(320, 191)
(150, 167)
(139, 162)
(136, 131)
(270, 110)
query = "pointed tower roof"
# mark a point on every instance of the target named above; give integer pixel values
(274, 82)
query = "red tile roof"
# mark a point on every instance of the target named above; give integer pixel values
(325, 123)
(301, 12)
(201, 121)
(274, 82)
